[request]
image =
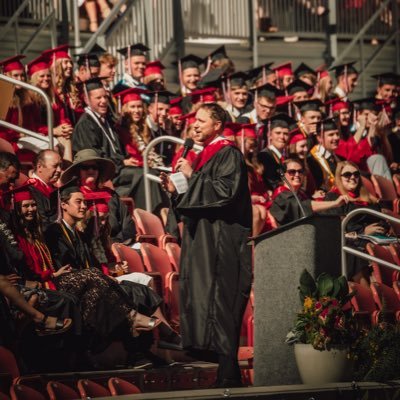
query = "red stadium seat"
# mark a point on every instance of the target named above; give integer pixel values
(4, 396)
(135, 263)
(381, 273)
(6, 146)
(59, 391)
(8, 363)
(22, 392)
(150, 228)
(369, 186)
(155, 259)
(395, 250)
(396, 288)
(395, 225)
(384, 187)
(386, 299)
(171, 299)
(396, 181)
(89, 389)
(174, 254)
(363, 303)
(118, 387)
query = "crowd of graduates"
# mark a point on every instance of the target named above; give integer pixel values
(307, 144)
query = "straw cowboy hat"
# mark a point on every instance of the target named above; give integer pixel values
(106, 167)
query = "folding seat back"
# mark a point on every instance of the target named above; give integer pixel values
(8, 363)
(396, 181)
(363, 302)
(131, 256)
(174, 254)
(22, 392)
(148, 223)
(155, 259)
(384, 187)
(396, 288)
(172, 299)
(395, 250)
(369, 186)
(385, 297)
(118, 387)
(381, 273)
(59, 391)
(6, 146)
(90, 389)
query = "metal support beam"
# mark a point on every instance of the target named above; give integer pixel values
(254, 28)
(332, 29)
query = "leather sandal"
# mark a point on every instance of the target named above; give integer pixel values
(61, 326)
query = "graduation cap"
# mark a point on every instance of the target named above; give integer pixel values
(12, 63)
(321, 72)
(217, 54)
(160, 96)
(137, 49)
(266, 90)
(92, 84)
(309, 105)
(98, 50)
(58, 53)
(368, 103)
(337, 104)
(304, 69)
(212, 78)
(176, 108)
(280, 120)
(38, 64)
(298, 86)
(189, 119)
(189, 61)
(231, 129)
(260, 72)
(154, 67)
(328, 124)
(284, 69)
(18, 194)
(237, 79)
(247, 131)
(344, 69)
(88, 60)
(388, 78)
(98, 200)
(296, 134)
(206, 95)
(127, 95)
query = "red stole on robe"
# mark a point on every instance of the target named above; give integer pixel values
(42, 187)
(353, 195)
(209, 151)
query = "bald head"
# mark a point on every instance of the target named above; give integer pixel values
(47, 166)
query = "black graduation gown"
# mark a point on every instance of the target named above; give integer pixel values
(121, 222)
(394, 140)
(46, 209)
(129, 180)
(215, 269)
(285, 208)
(271, 176)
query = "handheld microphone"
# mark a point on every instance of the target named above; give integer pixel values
(283, 177)
(187, 146)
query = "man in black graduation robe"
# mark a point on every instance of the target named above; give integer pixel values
(215, 270)
(94, 131)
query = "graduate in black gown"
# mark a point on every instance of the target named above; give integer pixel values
(215, 269)
(94, 131)
(285, 207)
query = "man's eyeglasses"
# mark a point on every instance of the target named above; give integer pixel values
(349, 174)
(293, 172)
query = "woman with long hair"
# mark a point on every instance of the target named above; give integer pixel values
(68, 106)
(323, 87)
(39, 75)
(133, 130)
(348, 182)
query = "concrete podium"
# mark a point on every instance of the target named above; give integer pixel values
(280, 257)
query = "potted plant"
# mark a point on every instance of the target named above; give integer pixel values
(324, 329)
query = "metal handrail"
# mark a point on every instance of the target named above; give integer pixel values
(14, 18)
(50, 121)
(146, 175)
(361, 33)
(364, 256)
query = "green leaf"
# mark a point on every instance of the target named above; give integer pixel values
(344, 288)
(324, 284)
(307, 284)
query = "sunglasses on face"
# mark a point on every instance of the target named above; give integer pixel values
(293, 172)
(349, 174)
(87, 167)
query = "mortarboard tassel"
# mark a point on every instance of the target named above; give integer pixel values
(242, 141)
(59, 211)
(209, 61)
(264, 75)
